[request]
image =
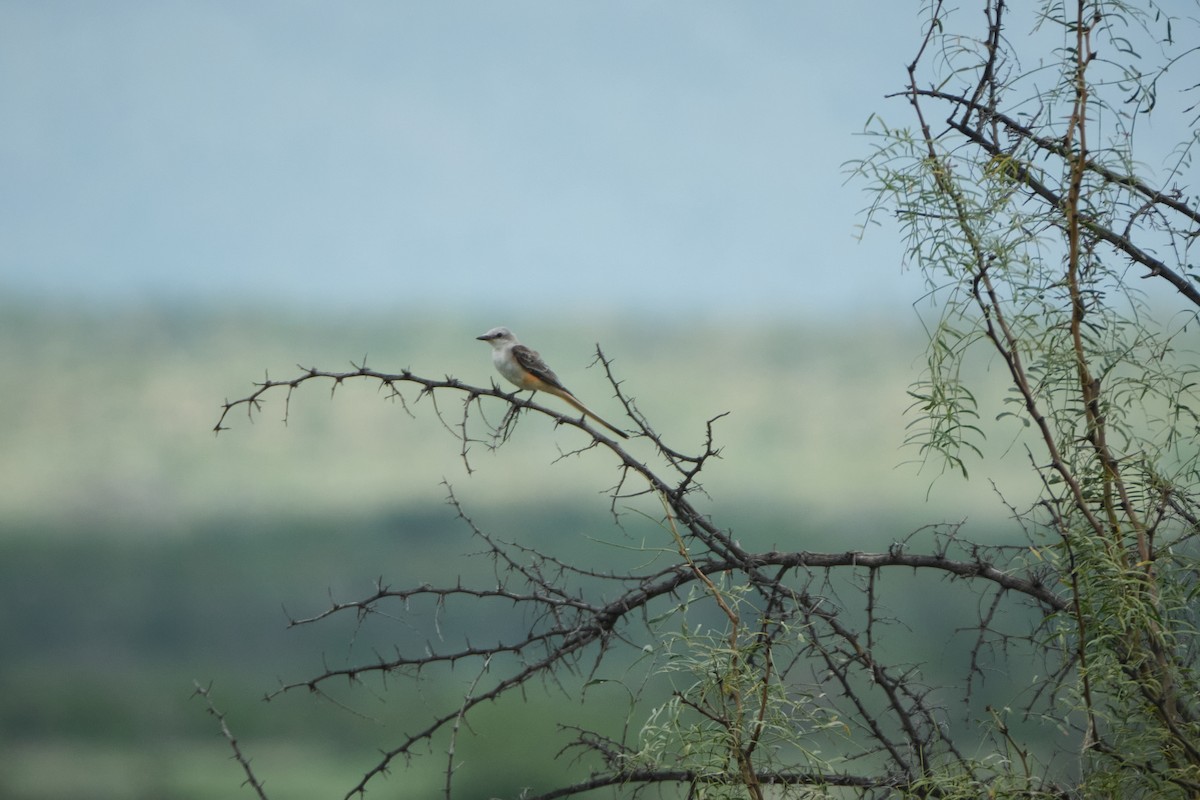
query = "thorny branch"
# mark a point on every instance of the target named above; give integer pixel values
(579, 613)
(251, 779)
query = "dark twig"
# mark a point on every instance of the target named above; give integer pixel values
(251, 779)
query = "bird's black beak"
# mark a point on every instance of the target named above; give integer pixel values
(483, 338)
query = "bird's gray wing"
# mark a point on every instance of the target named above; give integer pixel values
(530, 360)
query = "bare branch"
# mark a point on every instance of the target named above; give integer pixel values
(251, 779)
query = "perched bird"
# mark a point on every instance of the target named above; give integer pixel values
(525, 368)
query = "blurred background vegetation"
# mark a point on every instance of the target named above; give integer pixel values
(140, 552)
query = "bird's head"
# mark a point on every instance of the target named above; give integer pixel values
(498, 337)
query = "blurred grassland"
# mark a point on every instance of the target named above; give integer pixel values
(109, 416)
(139, 551)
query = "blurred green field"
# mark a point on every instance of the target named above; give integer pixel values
(138, 551)
(109, 416)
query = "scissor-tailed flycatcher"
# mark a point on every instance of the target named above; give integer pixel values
(525, 368)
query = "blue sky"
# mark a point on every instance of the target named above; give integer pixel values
(613, 156)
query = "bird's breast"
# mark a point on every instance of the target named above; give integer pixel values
(507, 366)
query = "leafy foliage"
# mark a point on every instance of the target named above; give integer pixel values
(1027, 212)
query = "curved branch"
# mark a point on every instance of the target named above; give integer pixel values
(568, 624)
(1022, 173)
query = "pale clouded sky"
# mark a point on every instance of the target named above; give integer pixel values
(608, 155)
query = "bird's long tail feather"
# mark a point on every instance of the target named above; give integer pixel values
(570, 398)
